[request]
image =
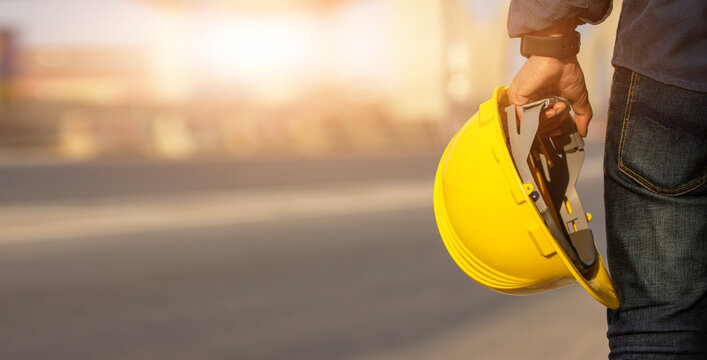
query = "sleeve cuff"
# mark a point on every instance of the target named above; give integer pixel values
(525, 16)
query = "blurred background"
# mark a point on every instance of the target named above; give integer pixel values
(237, 179)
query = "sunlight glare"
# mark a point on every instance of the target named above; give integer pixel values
(251, 48)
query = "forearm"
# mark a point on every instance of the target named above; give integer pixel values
(539, 17)
(564, 27)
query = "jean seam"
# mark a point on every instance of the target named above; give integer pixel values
(633, 84)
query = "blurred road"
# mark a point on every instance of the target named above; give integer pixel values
(302, 259)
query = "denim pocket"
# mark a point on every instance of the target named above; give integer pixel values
(657, 149)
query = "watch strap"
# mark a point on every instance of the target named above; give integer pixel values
(551, 46)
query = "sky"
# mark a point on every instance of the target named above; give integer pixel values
(113, 22)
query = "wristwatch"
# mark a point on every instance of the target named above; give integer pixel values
(552, 46)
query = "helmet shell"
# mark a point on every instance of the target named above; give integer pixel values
(491, 227)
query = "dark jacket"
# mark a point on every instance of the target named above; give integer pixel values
(662, 39)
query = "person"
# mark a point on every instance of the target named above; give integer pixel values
(655, 160)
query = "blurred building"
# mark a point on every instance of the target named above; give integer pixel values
(247, 77)
(82, 75)
(7, 64)
(407, 55)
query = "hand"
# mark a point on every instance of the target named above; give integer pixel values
(541, 77)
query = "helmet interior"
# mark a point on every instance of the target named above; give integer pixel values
(548, 167)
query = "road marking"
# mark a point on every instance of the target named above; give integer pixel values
(96, 218)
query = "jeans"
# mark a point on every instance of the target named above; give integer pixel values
(655, 169)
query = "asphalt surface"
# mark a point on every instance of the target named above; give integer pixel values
(329, 280)
(45, 181)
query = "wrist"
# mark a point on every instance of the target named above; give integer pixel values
(557, 46)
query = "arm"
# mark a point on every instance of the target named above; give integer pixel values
(526, 16)
(543, 76)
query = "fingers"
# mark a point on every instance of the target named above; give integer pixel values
(531, 79)
(541, 76)
(557, 109)
(552, 119)
(514, 97)
(582, 115)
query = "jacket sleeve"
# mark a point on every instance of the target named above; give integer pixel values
(526, 16)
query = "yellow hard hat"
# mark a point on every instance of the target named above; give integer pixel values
(507, 208)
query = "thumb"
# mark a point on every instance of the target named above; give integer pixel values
(515, 97)
(582, 115)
